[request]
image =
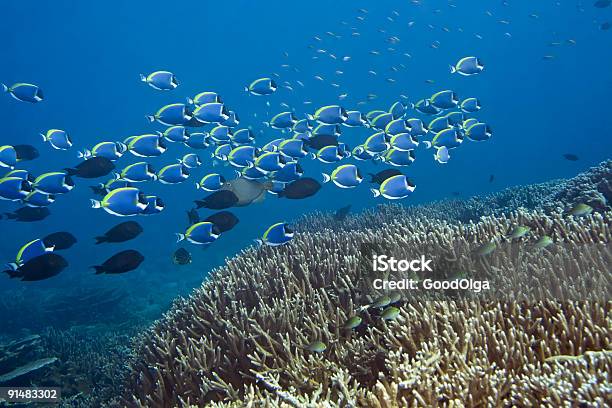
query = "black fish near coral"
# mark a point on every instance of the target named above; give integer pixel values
(341, 213)
(181, 257)
(302, 188)
(92, 168)
(122, 262)
(570, 157)
(223, 220)
(29, 214)
(40, 268)
(121, 232)
(59, 240)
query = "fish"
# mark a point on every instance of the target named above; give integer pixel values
(202, 233)
(14, 188)
(181, 257)
(31, 250)
(94, 167)
(543, 242)
(60, 240)
(394, 188)
(218, 200)
(467, 66)
(58, 139)
(316, 347)
(277, 234)
(602, 3)
(174, 114)
(341, 213)
(302, 188)
(390, 313)
(383, 175)
(29, 214)
(491, 178)
(261, 87)
(223, 220)
(110, 150)
(173, 173)
(211, 182)
(42, 267)
(204, 97)
(344, 176)
(352, 323)
(122, 262)
(160, 80)
(25, 152)
(193, 217)
(247, 191)
(24, 92)
(518, 232)
(122, 232)
(8, 156)
(122, 202)
(137, 172)
(53, 183)
(581, 209)
(486, 249)
(570, 157)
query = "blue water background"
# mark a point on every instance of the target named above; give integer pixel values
(87, 57)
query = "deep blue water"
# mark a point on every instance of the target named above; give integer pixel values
(87, 58)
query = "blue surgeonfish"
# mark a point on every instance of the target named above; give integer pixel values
(294, 148)
(262, 86)
(332, 154)
(160, 80)
(173, 174)
(211, 182)
(360, 153)
(376, 143)
(8, 156)
(398, 158)
(467, 66)
(109, 150)
(356, 119)
(232, 120)
(330, 115)
(450, 138)
(277, 234)
(398, 110)
(24, 92)
(14, 188)
(201, 233)
(344, 176)
(479, 132)
(212, 112)
(220, 134)
(38, 199)
(283, 120)
(205, 97)
(242, 137)
(425, 107)
(242, 156)
(403, 141)
(381, 121)
(444, 99)
(176, 134)
(222, 152)
(416, 127)
(198, 141)
(150, 145)
(191, 160)
(442, 155)
(394, 188)
(55, 182)
(174, 114)
(137, 172)
(29, 251)
(123, 202)
(57, 138)
(470, 105)
(269, 162)
(290, 172)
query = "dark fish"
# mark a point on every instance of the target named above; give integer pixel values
(605, 26)
(602, 3)
(456, 193)
(193, 217)
(342, 213)
(59, 240)
(99, 190)
(223, 220)
(39, 268)
(319, 141)
(570, 157)
(301, 188)
(121, 232)
(29, 214)
(181, 257)
(218, 200)
(26, 152)
(381, 176)
(92, 168)
(121, 262)
(491, 178)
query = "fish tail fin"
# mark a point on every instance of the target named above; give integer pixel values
(189, 101)
(452, 69)
(309, 116)
(143, 77)
(101, 239)
(326, 177)
(12, 274)
(4, 87)
(375, 192)
(70, 171)
(246, 89)
(197, 185)
(121, 147)
(180, 237)
(427, 144)
(95, 204)
(259, 242)
(99, 269)
(311, 156)
(44, 137)
(266, 124)
(150, 118)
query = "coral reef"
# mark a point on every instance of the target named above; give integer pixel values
(245, 337)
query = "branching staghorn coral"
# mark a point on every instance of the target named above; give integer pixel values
(243, 338)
